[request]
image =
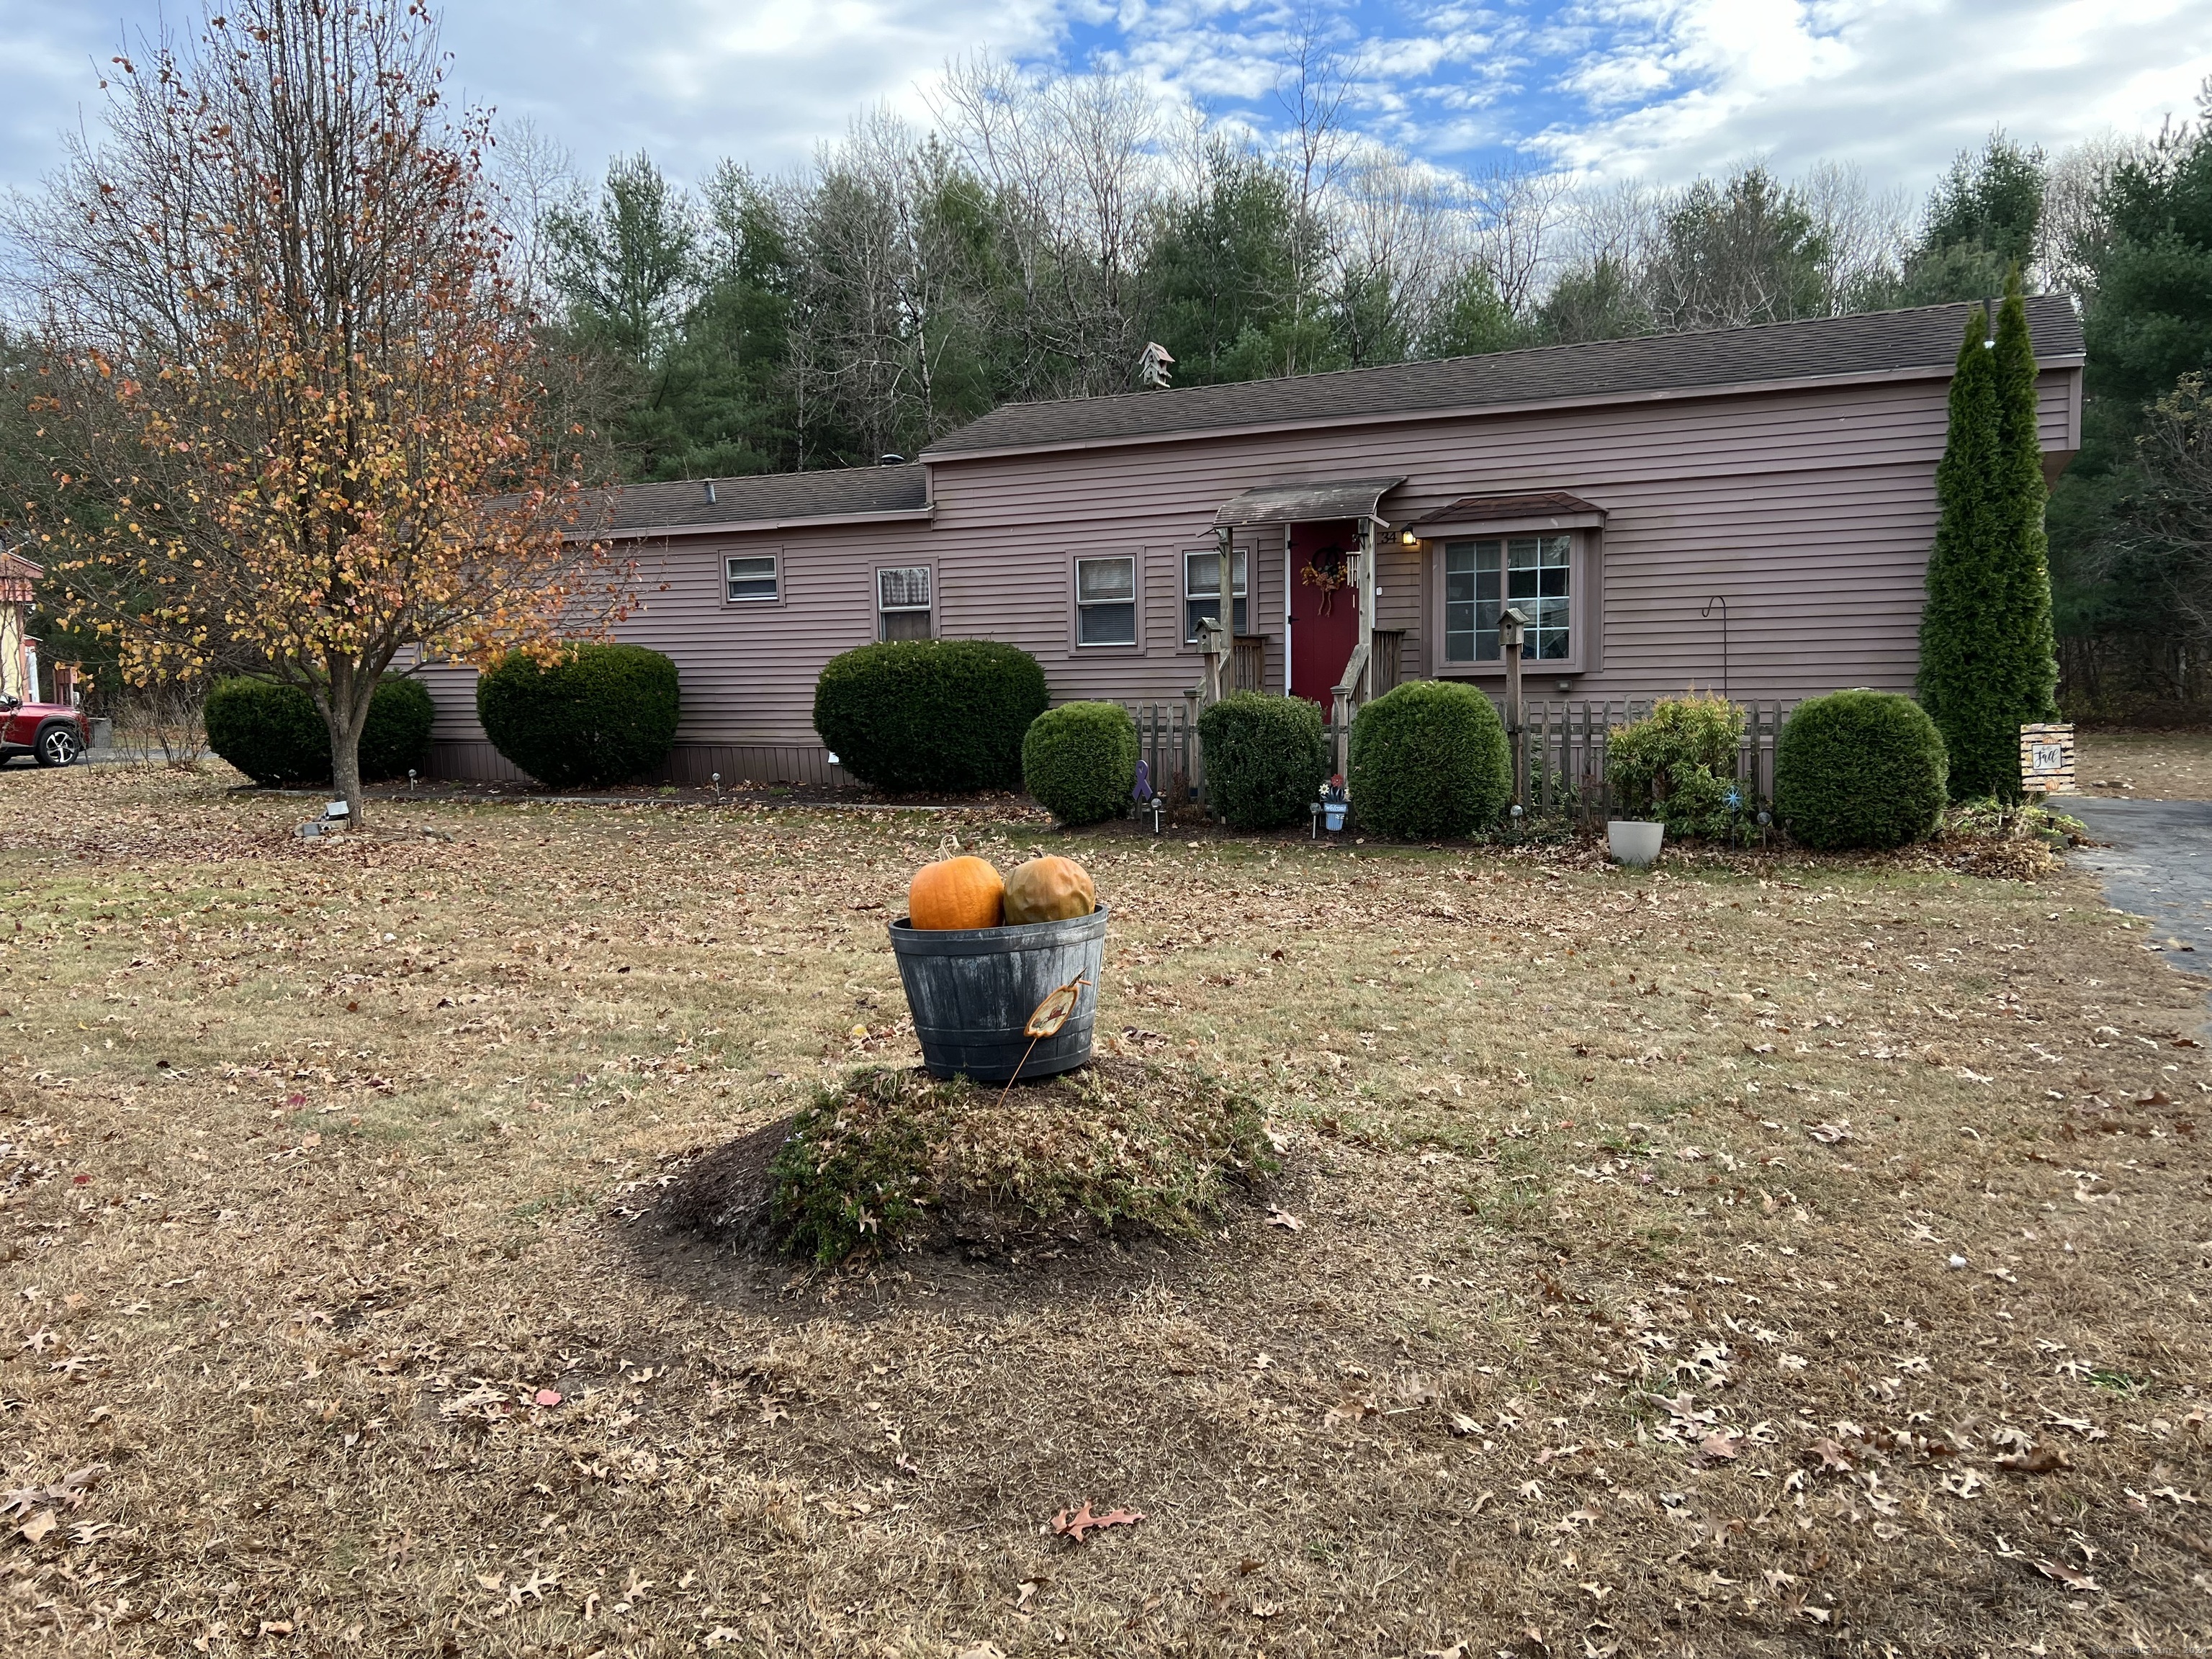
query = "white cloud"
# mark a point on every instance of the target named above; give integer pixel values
(1897, 85)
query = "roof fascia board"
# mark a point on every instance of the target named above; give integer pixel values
(1464, 412)
(748, 526)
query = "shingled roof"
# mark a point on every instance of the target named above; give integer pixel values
(1921, 341)
(762, 500)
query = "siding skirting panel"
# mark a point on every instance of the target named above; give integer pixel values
(473, 760)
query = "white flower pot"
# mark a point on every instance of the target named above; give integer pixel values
(1632, 842)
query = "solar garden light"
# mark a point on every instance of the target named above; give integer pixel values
(411, 779)
(718, 788)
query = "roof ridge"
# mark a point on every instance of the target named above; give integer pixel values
(1312, 374)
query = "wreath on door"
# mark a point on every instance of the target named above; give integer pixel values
(1326, 568)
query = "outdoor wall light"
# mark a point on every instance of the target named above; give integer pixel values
(1408, 537)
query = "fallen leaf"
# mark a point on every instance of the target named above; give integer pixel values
(2065, 1574)
(1718, 1444)
(1073, 1524)
(38, 1525)
(1023, 1592)
(2038, 1459)
(1278, 1218)
(1830, 1455)
(1829, 1133)
(547, 1396)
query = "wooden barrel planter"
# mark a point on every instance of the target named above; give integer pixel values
(972, 989)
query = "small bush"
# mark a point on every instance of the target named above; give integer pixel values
(1265, 758)
(1079, 761)
(597, 714)
(1859, 769)
(944, 715)
(396, 738)
(1430, 761)
(273, 733)
(1678, 765)
(276, 735)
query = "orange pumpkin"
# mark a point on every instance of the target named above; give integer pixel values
(1049, 889)
(961, 892)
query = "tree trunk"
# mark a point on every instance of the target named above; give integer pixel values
(345, 713)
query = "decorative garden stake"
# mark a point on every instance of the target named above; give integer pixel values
(1049, 1016)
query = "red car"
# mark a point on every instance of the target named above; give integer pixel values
(52, 733)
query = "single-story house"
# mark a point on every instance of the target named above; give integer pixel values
(1749, 505)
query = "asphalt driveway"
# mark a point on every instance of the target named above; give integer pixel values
(2159, 864)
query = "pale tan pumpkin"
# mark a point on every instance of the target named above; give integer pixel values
(1049, 889)
(961, 892)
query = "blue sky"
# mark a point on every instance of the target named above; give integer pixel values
(1660, 89)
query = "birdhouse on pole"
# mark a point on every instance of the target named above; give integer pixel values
(1155, 368)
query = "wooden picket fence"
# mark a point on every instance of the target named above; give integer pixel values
(1564, 741)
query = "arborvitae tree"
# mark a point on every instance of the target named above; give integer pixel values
(2017, 497)
(1958, 647)
(1987, 663)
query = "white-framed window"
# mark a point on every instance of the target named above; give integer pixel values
(1106, 601)
(902, 602)
(752, 579)
(1201, 593)
(1483, 576)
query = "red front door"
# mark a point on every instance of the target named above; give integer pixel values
(1324, 607)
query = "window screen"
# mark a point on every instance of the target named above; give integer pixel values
(902, 602)
(1201, 593)
(1106, 601)
(1481, 578)
(752, 579)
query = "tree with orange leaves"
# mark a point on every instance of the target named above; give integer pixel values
(288, 384)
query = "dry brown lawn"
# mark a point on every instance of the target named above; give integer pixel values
(1778, 1258)
(2145, 765)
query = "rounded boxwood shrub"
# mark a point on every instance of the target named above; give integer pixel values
(396, 738)
(1079, 761)
(1430, 761)
(945, 715)
(273, 733)
(276, 735)
(595, 715)
(1859, 769)
(1265, 758)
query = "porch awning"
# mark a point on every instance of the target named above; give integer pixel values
(1306, 501)
(1536, 509)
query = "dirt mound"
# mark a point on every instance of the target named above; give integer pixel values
(894, 1160)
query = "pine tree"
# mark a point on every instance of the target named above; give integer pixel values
(1988, 665)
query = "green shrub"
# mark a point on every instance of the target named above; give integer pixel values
(1430, 761)
(1265, 758)
(276, 735)
(595, 715)
(1859, 769)
(937, 714)
(1678, 765)
(396, 738)
(273, 733)
(1079, 761)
